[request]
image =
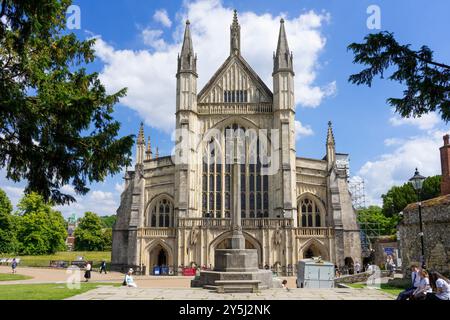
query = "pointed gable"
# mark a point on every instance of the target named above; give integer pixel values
(235, 76)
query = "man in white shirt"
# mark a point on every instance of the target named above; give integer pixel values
(415, 281)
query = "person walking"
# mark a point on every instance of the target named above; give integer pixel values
(424, 286)
(103, 267)
(87, 272)
(441, 286)
(415, 281)
(14, 265)
(129, 281)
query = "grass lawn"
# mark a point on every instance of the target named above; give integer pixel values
(45, 291)
(13, 277)
(384, 287)
(44, 261)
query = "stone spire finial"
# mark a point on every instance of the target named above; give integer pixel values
(140, 138)
(235, 35)
(149, 149)
(283, 59)
(330, 134)
(157, 153)
(187, 60)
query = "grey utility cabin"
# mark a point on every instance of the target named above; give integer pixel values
(315, 273)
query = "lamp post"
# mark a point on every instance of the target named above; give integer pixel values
(417, 183)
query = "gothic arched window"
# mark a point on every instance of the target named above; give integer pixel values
(161, 214)
(217, 172)
(310, 214)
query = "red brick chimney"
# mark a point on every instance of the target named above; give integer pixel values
(445, 164)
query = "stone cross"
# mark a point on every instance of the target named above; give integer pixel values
(237, 238)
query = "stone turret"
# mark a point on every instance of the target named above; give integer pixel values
(284, 117)
(140, 146)
(235, 36)
(331, 146)
(283, 58)
(187, 60)
(149, 153)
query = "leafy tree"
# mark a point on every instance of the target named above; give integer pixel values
(374, 215)
(431, 187)
(56, 124)
(398, 197)
(107, 238)
(89, 233)
(40, 229)
(427, 81)
(8, 243)
(108, 221)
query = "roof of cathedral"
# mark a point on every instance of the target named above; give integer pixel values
(244, 65)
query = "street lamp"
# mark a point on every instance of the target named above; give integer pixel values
(417, 183)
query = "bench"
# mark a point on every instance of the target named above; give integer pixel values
(236, 286)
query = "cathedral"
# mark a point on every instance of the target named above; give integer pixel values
(175, 210)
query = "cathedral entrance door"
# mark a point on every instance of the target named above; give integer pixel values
(162, 258)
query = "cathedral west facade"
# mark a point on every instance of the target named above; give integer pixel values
(176, 210)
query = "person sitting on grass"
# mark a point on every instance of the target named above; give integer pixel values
(441, 286)
(129, 281)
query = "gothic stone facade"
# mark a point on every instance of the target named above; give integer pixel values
(178, 214)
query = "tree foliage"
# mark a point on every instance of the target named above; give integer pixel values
(398, 197)
(108, 221)
(56, 124)
(89, 233)
(40, 229)
(8, 242)
(374, 218)
(427, 82)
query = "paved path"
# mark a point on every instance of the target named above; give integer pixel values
(124, 293)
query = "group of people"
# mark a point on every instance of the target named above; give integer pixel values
(425, 286)
(88, 270)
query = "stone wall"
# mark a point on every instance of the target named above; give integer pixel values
(436, 229)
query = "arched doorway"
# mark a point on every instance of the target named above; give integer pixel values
(314, 248)
(309, 253)
(223, 241)
(159, 256)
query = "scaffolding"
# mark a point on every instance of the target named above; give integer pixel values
(357, 189)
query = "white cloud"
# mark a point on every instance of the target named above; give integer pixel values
(152, 38)
(15, 194)
(302, 131)
(397, 167)
(426, 122)
(149, 76)
(119, 187)
(393, 142)
(162, 17)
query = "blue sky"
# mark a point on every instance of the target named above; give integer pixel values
(138, 41)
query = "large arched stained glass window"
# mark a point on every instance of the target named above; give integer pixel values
(310, 214)
(217, 176)
(160, 214)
